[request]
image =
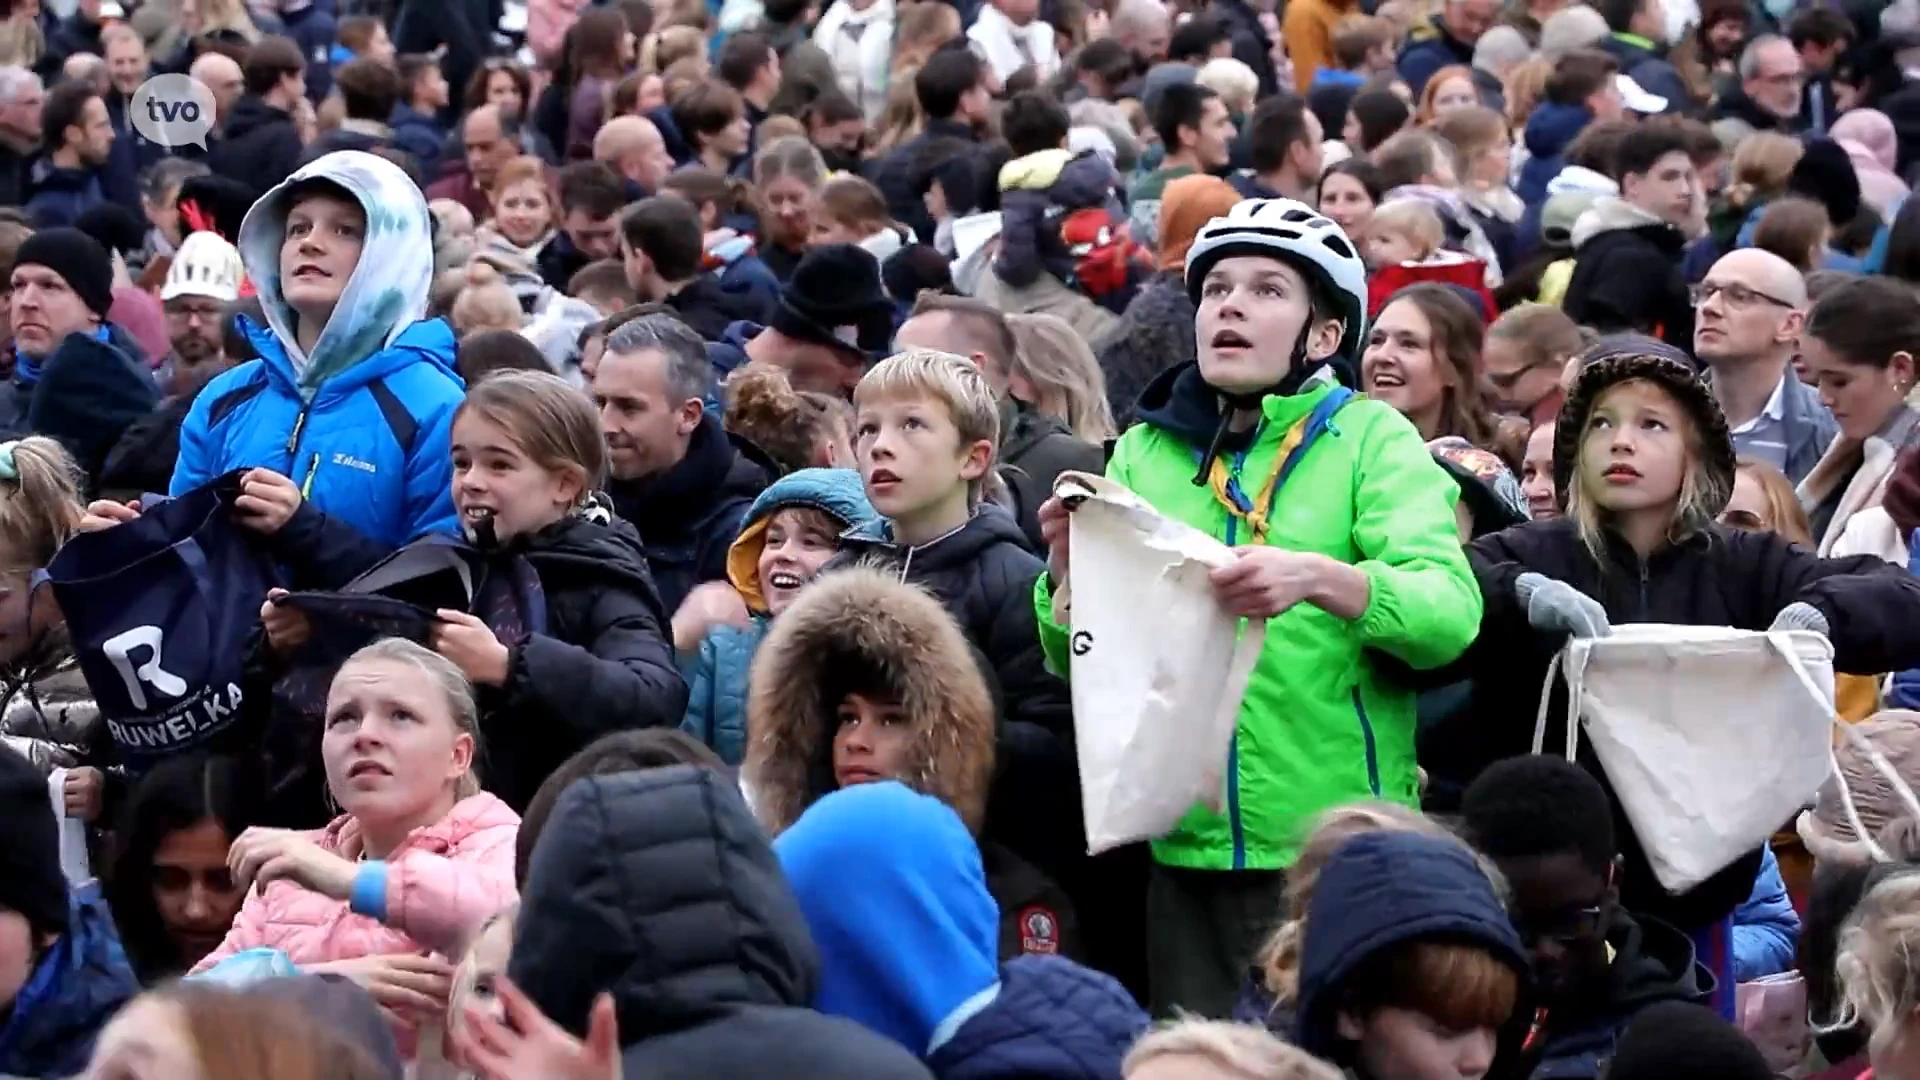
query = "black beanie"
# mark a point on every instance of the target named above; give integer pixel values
(78, 258)
(31, 881)
(1825, 174)
(835, 298)
(114, 227)
(1675, 1040)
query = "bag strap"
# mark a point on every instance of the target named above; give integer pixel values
(1575, 671)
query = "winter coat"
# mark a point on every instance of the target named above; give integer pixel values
(709, 308)
(860, 61)
(1154, 335)
(16, 174)
(1051, 1020)
(895, 173)
(363, 427)
(602, 663)
(1430, 47)
(1844, 493)
(89, 391)
(1307, 26)
(1551, 128)
(1037, 192)
(1642, 61)
(75, 988)
(443, 881)
(1318, 727)
(559, 260)
(47, 713)
(1652, 962)
(1035, 449)
(690, 514)
(259, 146)
(1736, 116)
(1626, 274)
(1766, 927)
(60, 195)
(419, 135)
(1251, 45)
(1722, 577)
(144, 457)
(659, 887)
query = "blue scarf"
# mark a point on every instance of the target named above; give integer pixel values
(26, 369)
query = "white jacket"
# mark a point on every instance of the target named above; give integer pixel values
(860, 44)
(996, 35)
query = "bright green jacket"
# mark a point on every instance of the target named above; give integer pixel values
(1318, 726)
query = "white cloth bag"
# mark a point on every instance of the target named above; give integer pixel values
(73, 833)
(1158, 668)
(1711, 737)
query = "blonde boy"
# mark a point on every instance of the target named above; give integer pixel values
(1193, 1049)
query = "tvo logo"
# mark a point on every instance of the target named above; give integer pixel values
(173, 110)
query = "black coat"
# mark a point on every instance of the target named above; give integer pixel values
(88, 393)
(16, 175)
(710, 309)
(559, 260)
(1251, 45)
(1723, 578)
(1629, 279)
(659, 887)
(142, 461)
(689, 515)
(1034, 450)
(259, 146)
(897, 171)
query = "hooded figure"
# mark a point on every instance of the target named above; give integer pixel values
(892, 888)
(659, 886)
(359, 420)
(858, 631)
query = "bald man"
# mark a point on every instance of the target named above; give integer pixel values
(221, 75)
(1748, 314)
(1144, 26)
(633, 148)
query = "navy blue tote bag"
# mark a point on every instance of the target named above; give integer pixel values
(160, 610)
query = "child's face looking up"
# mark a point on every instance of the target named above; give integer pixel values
(1634, 453)
(799, 541)
(1249, 318)
(321, 249)
(871, 742)
(911, 455)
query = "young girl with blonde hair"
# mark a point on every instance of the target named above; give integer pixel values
(1055, 369)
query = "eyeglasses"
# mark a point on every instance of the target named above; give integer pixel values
(1505, 381)
(1738, 296)
(1564, 927)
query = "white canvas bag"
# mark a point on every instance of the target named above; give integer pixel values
(1711, 737)
(1158, 669)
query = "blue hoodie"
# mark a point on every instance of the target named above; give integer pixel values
(363, 425)
(1550, 130)
(73, 991)
(891, 886)
(1380, 890)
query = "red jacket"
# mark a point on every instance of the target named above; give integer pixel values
(1446, 267)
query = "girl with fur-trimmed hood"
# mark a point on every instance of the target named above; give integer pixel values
(866, 678)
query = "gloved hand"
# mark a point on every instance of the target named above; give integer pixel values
(1557, 607)
(1801, 615)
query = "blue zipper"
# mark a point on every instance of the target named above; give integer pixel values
(1366, 732)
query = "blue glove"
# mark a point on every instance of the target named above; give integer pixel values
(1801, 615)
(1554, 606)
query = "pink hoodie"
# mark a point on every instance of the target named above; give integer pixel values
(1868, 138)
(443, 881)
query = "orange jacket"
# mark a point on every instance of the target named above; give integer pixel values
(1307, 28)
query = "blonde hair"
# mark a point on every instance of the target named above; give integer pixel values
(22, 42)
(1060, 366)
(793, 156)
(1699, 489)
(1785, 514)
(903, 117)
(1232, 79)
(854, 202)
(452, 684)
(1760, 167)
(464, 975)
(1241, 1050)
(1469, 132)
(40, 506)
(1875, 965)
(518, 171)
(670, 45)
(485, 304)
(919, 31)
(1525, 86)
(1413, 219)
(551, 421)
(951, 380)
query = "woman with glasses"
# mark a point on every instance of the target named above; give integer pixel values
(1525, 359)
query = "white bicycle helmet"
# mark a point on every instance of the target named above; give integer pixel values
(1298, 235)
(205, 265)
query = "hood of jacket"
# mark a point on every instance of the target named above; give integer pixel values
(1022, 427)
(1618, 215)
(1052, 1020)
(659, 886)
(873, 543)
(1180, 401)
(857, 630)
(1083, 179)
(1652, 962)
(249, 115)
(75, 989)
(47, 176)
(1580, 180)
(892, 888)
(835, 492)
(387, 291)
(1553, 127)
(1380, 890)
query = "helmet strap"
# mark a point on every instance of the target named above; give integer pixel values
(1298, 371)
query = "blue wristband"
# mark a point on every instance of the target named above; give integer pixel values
(369, 895)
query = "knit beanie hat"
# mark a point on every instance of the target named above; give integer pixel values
(31, 881)
(1825, 174)
(1185, 205)
(1622, 358)
(835, 298)
(1677, 1040)
(76, 257)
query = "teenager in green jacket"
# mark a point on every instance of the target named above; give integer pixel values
(1347, 541)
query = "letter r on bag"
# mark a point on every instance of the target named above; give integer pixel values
(119, 649)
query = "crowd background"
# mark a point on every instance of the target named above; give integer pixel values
(532, 552)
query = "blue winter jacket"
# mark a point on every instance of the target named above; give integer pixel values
(363, 425)
(1051, 1020)
(1765, 928)
(60, 196)
(717, 674)
(76, 988)
(1550, 130)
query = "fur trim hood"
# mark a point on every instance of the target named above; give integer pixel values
(858, 628)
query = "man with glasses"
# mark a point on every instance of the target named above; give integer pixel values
(1748, 314)
(1548, 825)
(1768, 97)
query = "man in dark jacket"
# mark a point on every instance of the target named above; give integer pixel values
(1251, 44)
(260, 144)
(591, 197)
(1820, 35)
(952, 89)
(1444, 40)
(677, 475)
(80, 137)
(416, 118)
(1034, 448)
(659, 885)
(22, 100)
(77, 33)
(1549, 826)
(1768, 97)
(1626, 273)
(662, 245)
(369, 89)
(128, 65)
(1638, 26)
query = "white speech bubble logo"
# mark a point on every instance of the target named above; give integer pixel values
(173, 110)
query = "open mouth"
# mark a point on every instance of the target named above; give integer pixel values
(1383, 379)
(785, 579)
(365, 767)
(1621, 472)
(1231, 339)
(309, 272)
(882, 476)
(477, 513)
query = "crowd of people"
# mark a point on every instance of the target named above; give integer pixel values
(531, 551)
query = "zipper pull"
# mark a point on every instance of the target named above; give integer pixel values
(293, 439)
(306, 486)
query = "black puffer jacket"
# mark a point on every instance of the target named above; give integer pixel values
(259, 146)
(1035, 449)
(659, 887)
(689, 515)
(1723, 578)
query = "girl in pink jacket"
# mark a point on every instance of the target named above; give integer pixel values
(420, 859)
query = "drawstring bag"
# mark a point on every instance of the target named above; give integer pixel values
(159, 610)
(1156, 701)
(1710, 736)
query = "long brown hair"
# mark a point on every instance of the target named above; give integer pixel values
(596, 44)
(1455, 334)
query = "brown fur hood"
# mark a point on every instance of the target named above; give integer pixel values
(859, 628)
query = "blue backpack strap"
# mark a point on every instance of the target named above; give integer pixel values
(401, 422)
(1319, 421)
(225, 405)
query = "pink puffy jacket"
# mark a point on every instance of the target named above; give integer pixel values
(443, 881)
